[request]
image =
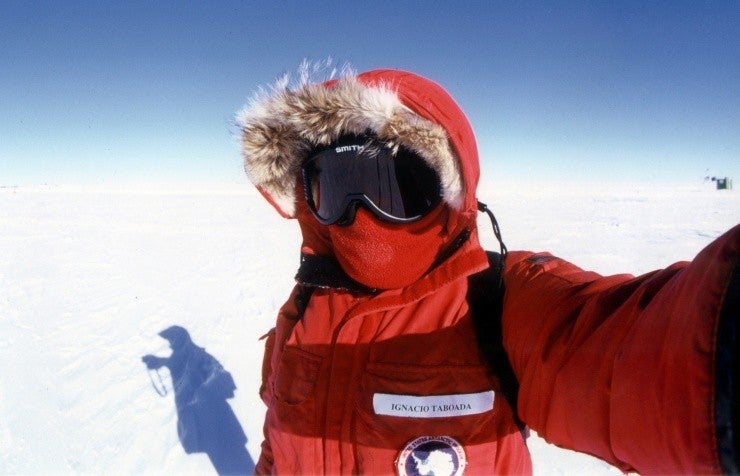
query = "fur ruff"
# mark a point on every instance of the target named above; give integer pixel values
(280, 127)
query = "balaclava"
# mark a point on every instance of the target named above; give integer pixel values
(280, 127)
(385, 255)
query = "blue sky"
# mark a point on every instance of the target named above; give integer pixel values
(141, 91)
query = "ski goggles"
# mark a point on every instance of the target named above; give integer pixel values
(398, 188)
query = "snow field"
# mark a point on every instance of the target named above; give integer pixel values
(89, 277)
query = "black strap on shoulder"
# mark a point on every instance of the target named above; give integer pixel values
(301, 299)
(486, 298)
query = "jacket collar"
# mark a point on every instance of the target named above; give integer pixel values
(321, 271)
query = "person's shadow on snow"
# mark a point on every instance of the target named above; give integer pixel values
(205, 421)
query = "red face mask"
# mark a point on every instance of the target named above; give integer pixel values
(385, 255)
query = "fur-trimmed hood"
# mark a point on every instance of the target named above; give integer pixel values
(279, 128)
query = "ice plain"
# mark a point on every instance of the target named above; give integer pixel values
(90, 275)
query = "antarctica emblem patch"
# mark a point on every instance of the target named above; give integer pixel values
(432, 455)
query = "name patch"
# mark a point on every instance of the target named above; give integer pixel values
(432, 406)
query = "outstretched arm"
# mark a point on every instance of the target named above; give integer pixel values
(154, 362)
(640, 371)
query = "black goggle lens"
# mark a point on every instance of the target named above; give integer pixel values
(397, 189)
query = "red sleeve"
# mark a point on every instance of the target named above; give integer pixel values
(639, 371)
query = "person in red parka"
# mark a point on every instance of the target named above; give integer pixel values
(374, 366)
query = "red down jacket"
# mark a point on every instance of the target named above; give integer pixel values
(639, 371)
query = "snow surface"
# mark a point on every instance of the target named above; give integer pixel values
(89, 277)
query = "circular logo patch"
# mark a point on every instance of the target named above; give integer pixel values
(432, 455)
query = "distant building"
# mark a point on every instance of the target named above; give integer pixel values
(724, 183)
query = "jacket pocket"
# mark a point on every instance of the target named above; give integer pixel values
(294, 433)
(399, 404)
(296, 375)
(400, 401)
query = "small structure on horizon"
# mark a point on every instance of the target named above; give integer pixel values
(724, 183)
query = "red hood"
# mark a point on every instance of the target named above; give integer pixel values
(401, 108)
